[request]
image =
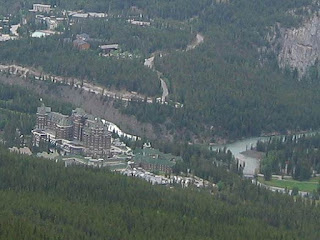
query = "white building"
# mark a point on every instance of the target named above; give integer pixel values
(41, 8)
(139, 23)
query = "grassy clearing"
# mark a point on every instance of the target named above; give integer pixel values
(306, 186)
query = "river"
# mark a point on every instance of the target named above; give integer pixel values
(251, 164)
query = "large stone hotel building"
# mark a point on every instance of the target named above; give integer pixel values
(79, 134)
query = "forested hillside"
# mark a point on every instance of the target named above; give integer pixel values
(177, 9)
(298, 157)
(44, 200)
(160, 36)
(17, 111)
(230, 86)
(235, 95)
(54, 56)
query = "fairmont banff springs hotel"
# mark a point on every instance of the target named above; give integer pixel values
(78, 134)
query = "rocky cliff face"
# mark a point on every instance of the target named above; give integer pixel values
(298, 48)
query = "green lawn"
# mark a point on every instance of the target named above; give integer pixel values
(306, 186)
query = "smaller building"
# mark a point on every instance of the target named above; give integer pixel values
(80, 44)
(139, 23)
(83, 36)
(51, 23)
(80, 16)
(38, 136)
(38, 34)
(153, 160)
(42, 33)
(109, 48)
(72, 148)
(5, 37)
(24, 150)
(41, 8)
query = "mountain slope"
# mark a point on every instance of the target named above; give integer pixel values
(41, 199)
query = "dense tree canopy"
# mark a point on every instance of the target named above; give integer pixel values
(17, 111)
(160, 35)
(227, 86)
(295, 156)
(177, 9)
(56, 57)
(42, 199)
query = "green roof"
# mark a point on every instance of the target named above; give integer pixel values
(154, 156)
(43, 109)
(79, 111)
(65, 122)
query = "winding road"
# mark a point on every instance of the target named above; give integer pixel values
(165, 91)
(149, 62)
(24, 72)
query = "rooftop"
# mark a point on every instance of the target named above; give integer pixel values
(56, 117)
(38, 34)
(65, 122)
(154, 156)
(43, 109)
(109, 46)
(41, 5)
(83, 36)
(79, 42)
(79, 111)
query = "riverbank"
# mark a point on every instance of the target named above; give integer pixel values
(224, 141)
(241, 149)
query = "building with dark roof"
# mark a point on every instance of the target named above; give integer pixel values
(109, 48)
(83, 36)
(64, 129)
(81, 44)
(79, 133)
(153, 160)
(79, 119)
(42, 116)
(96, 139)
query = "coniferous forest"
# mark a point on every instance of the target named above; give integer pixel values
(41, 199)
(229, 86)
(298, 155)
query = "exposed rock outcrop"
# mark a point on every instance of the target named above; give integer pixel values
(299, 48)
